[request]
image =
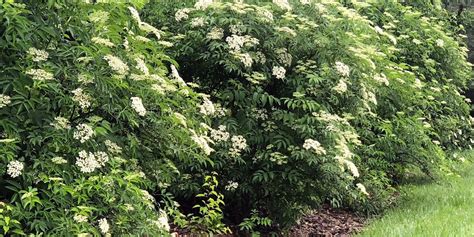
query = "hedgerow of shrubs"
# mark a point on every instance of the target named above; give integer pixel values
(336, 101)
(207, 114)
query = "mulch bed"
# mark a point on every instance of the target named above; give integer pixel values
(328, 222)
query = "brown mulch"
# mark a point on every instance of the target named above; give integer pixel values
(328, 222)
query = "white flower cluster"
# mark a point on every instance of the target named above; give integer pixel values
(83, 99)
(143, 25)
(117, 64)
(175, 76)
(207, 107)
(266, 15)
(203, 142)
(181, 118)
(236, 42)
(162, 221)
(40, 74)
(112, 147)
(244, 58)
(84, 132)
(102, 41)
(440, 43)
(231, 185)
(141, 65)
(216, 33)
(198, 22)
(362, 189)
(203, 4)
(284, 57)
(278, 158)
(4, 100)
(305, 2)
(283, 4)
(38, 55)
(258, 114)
(80, 218)
(220, 134)
(279, 72)
(381, 78)
(88, 161)
(342, 69)
(341, 87)
(345, 154)
(99, 17)
(142, 39)
(104, 226)
(287, 30)
(58, 160)
(84, 79)
(60, 123)
(310, 144)
(182, 14)
(14, 168)
(137, 105)
(238, 145)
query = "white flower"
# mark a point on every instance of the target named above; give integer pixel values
(149, 28)
(198, 22)
(84, 79)
(39, 74)
(99, 17)
(362, 189)
(165, 43)
(235, 42)
(216, 33)
(382, 79)
(162, 221)
(341, 87)
(117, 64)
(245, 58)
(141, 65)
(287, 30)
(266, 14)
(181, 118)
(279, 72)
(207, 107)
(87, 162)
(418, 84)
(342, 69)
(4, 100)
(38, 55)
(102, 41)
(239, 143)
(315, 146)
(142, 39)
(58, 160)
(84, 132)
(352, 168)
(83, 99)
(80, 218)
(137, 105)
(135, 14)
(61, 123)
(220, 134)
(112, 147)
(202, 4)
(202, 142)
(14, 168)
(417, 41)
(284, 57)
(440, 43)
(101, 157)
(231, 185)
(284, 4)
(175, 75)
(104, 226)
(182, 14)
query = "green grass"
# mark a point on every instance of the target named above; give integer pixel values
(445, 209)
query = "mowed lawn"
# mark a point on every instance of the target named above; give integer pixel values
(444, 209)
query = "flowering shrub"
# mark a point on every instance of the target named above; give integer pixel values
(334, 106)
(90, 120)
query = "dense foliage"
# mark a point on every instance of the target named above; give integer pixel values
(277, 108)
